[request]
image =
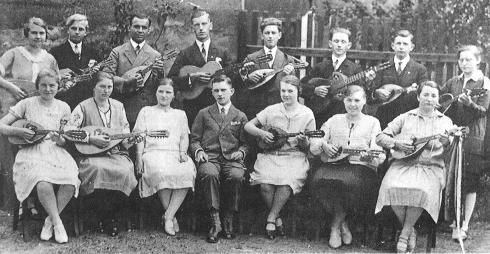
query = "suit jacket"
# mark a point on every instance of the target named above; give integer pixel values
(325, 70)
(66, 58)
(413, 73)
(254, 101)
(219, 136)
(122, 59)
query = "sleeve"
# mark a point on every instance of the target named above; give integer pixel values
(19, 109)
(385, 138)
(139, 125)
(125, 123)
(311, 124)
(197, 133)
(423, 75)
(185, 124)
(316, 145)
(480, 106)
(66, 112)
(6, 61)
(76, 118)
(111, 67)
(309, 89)
(262, 116)
(180, 82)
(244, 147)
(375, 131)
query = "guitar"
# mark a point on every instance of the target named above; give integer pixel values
(420, 143)
(67, 83)
(145, 71)
(447, 99)
(8, 100)
(343, 153)
(336, 84)
(114, 138)
(40, 133)
(280, 137)
(215, 69)
(268, 74)
(396, 91)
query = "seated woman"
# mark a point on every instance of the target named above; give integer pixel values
(46, 163)
(350, 183)
(165, 167)
(109, 176)
(283, 171)
(411, 186)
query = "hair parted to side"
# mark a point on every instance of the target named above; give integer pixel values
(140, 16)
(271, 22)
(77, 17)
(292, 80)
(339, 30)
(352, 89)
(403, 33)
(221, 78)
(102, 75)
(196, 13)
(46, 73)
(35, 21)
(166, 82)
(428, 83)
(476, 50)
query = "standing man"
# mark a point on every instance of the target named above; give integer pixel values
(132, 91)
(73, 56)
(254, 101)
(403, 72)
(337, 62)
(198, 54)
(219, 148)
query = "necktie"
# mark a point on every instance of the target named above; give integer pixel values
(137, 49)
(336, 64)
(222, 111)
(203, 52)
(77, 51)
(272, 61)
(399, 68)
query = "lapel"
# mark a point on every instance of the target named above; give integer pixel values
(142, 57)
(214, 112)
(232, 112)
(129, 52)
(197, 56)
(279, 60)
(408, 68)
(262, 65)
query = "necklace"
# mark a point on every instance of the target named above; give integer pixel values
(106, 120)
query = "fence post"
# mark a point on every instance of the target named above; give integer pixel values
(243, 30)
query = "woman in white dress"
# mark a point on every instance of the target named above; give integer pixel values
(163, 163)
(46, 163)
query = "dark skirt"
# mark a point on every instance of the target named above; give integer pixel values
(472, 171)
(354, 186)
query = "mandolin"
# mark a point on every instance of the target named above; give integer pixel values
(419, 144)
(343, 153)
(215, 69)
(268, 74)
(40, 133)
(145, 70)
(67, 83)
(447, 99)
(336, 84)
(280, 137)
(396, 91)
(115, 137)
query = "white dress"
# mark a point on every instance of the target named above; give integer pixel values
(162, 169)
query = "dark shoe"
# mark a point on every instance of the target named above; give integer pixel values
(113, 231)
(280, 227)
(213, 235)
(228, 226)
(270, 232)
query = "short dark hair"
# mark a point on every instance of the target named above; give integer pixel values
(35, 21)
(199, 13)
(165, 82)
(271, 22)
(292, 80)
(221, 78)
(404, 33)
(46, 73)
(339, 30)
(140, 16)
(351, 89)
(428, 83)
(476, 50)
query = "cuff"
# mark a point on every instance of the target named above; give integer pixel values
(195, 153)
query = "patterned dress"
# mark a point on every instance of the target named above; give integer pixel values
(44, 161)
(162, 169)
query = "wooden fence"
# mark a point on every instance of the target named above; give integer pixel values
(371, 39)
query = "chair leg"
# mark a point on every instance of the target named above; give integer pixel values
(76, 216)
(15, 222)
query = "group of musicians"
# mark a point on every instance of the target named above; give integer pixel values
(211, 142)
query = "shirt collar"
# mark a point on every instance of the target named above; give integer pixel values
(341, 59)
(415, 112)
(477, 75)
(227, 107)
(404, 61)
(73, 45)
(274, 50)
(206, 44)
(134, 44)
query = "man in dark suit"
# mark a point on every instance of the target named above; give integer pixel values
(253, 101)
(198, 54)
(329, 104)
(133, 91)
(403, 72)
(73, 57)
(219, 147)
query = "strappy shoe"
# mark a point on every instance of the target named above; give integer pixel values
(47, 231)
(270, 231)
(412, 241)
(280, 227)
(402, 245)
